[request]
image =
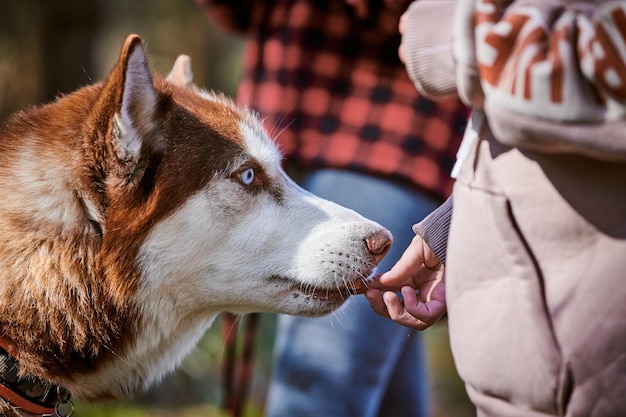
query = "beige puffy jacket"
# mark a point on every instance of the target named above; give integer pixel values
(536, 256)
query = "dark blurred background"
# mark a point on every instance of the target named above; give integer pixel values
(52, 47)
(49, 47)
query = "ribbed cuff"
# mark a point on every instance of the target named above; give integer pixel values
(428, 47)
(434, 229)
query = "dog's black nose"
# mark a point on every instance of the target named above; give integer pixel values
(378, 243)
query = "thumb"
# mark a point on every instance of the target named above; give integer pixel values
(408, 264)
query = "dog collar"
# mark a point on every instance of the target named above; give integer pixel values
(27, 392)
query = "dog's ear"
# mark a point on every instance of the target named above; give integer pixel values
(125, 134)
(136, 118)
(133, 108)
(181, 73)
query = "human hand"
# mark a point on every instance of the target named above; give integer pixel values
(418, 269)
(361, 7)
(401, 26)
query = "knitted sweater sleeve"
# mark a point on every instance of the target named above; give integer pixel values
(434, 229)
(428, 44)
(234, 16)
(549, 75)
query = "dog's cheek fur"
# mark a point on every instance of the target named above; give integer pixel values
(72, 318)
(56, 314)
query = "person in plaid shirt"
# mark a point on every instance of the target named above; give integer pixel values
(326, 78)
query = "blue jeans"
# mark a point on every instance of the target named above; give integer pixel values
(354, 363)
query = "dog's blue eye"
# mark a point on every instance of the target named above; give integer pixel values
(247, 176)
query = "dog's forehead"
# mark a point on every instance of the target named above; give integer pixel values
(256, 141)
(239, 124)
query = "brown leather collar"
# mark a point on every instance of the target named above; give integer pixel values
(26, 392)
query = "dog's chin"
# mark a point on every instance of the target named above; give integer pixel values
(312, 301)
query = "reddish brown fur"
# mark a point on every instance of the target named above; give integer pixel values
(69, 309)
(115, 201)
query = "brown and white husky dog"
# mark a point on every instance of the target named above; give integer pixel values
(133, 212)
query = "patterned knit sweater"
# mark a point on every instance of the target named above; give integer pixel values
(548, 75)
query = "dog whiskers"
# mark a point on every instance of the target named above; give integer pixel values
(280, 132)
(116, 355)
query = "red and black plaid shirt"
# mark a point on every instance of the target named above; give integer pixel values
(330, 86)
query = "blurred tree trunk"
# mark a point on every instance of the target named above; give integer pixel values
(68, 37)
(46, 48)
(19, 54)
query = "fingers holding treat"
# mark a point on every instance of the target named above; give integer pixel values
(411, 310)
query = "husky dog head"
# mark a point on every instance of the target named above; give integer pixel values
(137, 209)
